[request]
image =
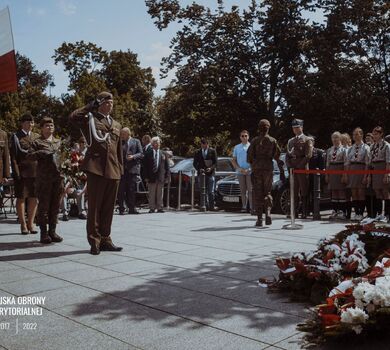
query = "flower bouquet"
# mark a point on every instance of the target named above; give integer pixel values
(354, 307)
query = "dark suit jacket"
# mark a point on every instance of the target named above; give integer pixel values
(4, 155)
(102, 158)
(133, 147)
(22, 166)
(163, 171)
(200, 164)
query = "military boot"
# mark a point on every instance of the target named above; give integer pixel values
(45, 238)
(259, 222)
(53, 235)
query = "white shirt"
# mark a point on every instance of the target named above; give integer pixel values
(27, 133)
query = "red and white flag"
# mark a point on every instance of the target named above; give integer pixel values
(8, 77)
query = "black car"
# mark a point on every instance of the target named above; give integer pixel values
(228, 193)
(185, 168)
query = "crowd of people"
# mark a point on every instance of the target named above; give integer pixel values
(107, 163)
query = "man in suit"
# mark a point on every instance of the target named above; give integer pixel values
(103, 164)
(24, 172)
(205, 160)
(156, 175)
(299, 153)
(132, 155)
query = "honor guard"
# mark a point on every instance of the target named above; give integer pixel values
(299, 152)
(261, 153)
(103, 164)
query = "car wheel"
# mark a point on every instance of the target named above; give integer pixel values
(282, 201)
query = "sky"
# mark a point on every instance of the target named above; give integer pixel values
(41, 26)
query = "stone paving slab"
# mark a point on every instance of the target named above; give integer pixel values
(184, 280)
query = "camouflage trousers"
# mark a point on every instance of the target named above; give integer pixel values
(49, 192)
(262, 186)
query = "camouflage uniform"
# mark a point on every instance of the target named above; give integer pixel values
(261, 152)
(49, 182)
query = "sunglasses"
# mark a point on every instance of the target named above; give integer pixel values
(244, 135)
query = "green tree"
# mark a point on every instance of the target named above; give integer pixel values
(91, 70)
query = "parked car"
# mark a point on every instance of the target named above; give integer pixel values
(224, 168)
(228, 195)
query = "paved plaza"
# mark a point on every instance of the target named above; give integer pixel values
(184, 280)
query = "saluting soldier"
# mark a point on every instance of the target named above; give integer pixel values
(24, 170)
(103, 164)
(336, 159)
(299, 152)
(380, 160)
(49, 181)
(261, 153)
(4, 157)
(358, 158)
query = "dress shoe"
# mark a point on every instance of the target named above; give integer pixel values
(94, 251)
(121, 212)
(110, 247)
(268, 220)
(82, 216)
(160, 211)
(24, 231)
(152, 211)
(65, 217)
(243, 210)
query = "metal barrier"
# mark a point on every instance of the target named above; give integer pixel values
(179, 191)
(203, 192)
(292, 225)
(316, 197)
(192, 189)
(168, 194)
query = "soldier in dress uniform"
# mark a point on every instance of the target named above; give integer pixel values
(299, 152)
(49, 181)
(261, 153)
(380, 160)
(4, 157)
(358, 158)
(336, 159)
(24, 170)
(103, 164)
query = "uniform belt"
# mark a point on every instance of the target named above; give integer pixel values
(378, 161)
(358, 163)
(336, 163)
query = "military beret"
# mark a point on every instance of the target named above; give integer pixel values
(297, 123)
(26, 117)
(264, 123)
(104, 96)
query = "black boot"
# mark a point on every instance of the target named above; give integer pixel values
(259, 222)
(53, 235)
(45, 238)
